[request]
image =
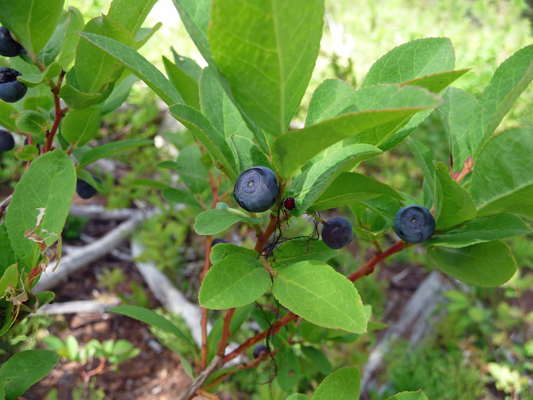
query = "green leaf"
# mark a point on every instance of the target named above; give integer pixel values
(266, 36)
(6, 111)
(249, 154)
(350, 187)
(119, 94)
(33, 80)
(87, 177)
(502, 180)
(240, 315)
(419, 395)
(180, 196)
(138, 65)
(188, 65)
(45, 297)
(32, 21)
(317, 358)
(10, 276)
(437, 82)
(296, 250)
(212, 139)
(36, 102)
(481, 230)
(32, 122)
(453, 204)
(288, 368)
(424, 158)
(130, 13)
(218, 107)
(195, 16)
(386, 206)
(329, 99)
(511, 78)
(68, 50)
(325, 297)
(26, 368)
(186, 85)
(214, 221)
(343, 384)
(145, 34)
(412, 60)
(50, 52)
(151, 318)
(52, 191)
(149, 183)
(297, 396)
(235, 281)
(80, 126)
(456, 113)
(111, 148)
(7, 256)
(27, 153)
(222, 250)
(76, 99)
(95, 68)
(73, 347)
(483, 264)
(308, 186)
(373, 106)
(191, 170)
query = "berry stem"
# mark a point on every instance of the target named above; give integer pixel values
(315, 216)
(262, 239)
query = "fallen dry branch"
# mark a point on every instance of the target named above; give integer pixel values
(95, 211)
(75, 307)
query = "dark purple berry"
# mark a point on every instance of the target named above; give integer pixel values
(257, 189)
(218, 241)
(414, 224)
(8, 46)
(7, 141)
(84, 190)
(11, 89)
(259, 349)
(289, 203)
(337, 233)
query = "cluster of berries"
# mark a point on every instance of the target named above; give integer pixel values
(11, 89)
(257, 190)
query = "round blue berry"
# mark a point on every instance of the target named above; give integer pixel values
(337, 233)
(257, 189)
(414, 224)
(218, 241)
(84, 190)
(8, 46)
(259, 349)
(7, 142)
(11, 89)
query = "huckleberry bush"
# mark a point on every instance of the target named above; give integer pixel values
(260, 57)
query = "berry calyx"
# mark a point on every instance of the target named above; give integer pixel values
(289, 203)
(257, 189)
(259, 349)
(11, 89)
(337, 233)
(7, 141)
(8, 46)
(414, 224)
(84, 190)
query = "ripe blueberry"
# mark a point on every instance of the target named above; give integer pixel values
(289, 203)
(257, 189)
(259, 349)
(218, 241)
(11, 89)
(337, 233)
(8, 46)
(84, 190)
(414, 224)
(7, 142)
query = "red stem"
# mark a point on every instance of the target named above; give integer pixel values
(226, 333)
(58, 114)
(368, 268)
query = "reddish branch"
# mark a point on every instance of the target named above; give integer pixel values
(261, 240)
(58, 114)
(207, 263)
(368, 268)
(467, 168)
(226, 333)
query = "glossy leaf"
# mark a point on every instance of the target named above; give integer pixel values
(437, 82)
(80, 126)
(32, 21)
(308, 186)
(325, 297)
(235, 281)
(52, 191)
(214, 221)
(483, 264)
(181, 196)
(266, 36)
(138, 65)
(186, 85)
(130, 13)
(351, 187)
(109, 149)
(249, 154)
(453, 204)
(373, 106)
(293, 251)
(151, 318)
(511, 78)
(24, 369)
(502, 180)
(191, 170)
(329, 99)
(343, 384)
(456, 113)
(481, 230)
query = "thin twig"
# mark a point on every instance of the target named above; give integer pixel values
(261, 240)
(226, 333)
